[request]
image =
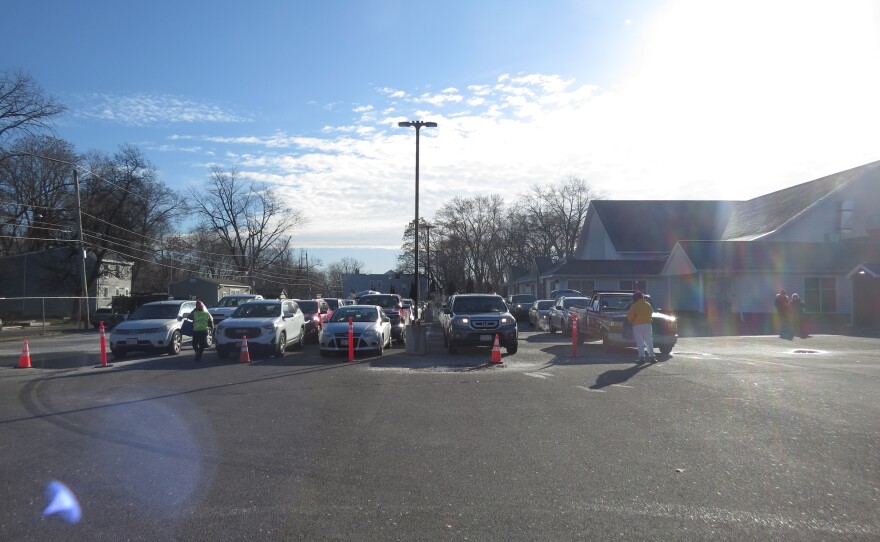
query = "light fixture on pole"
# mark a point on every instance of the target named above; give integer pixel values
(418, 125)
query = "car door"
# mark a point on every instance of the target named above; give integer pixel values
(288, 317)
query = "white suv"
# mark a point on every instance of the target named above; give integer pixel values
(153, 326)
(270, 325)
(228, 304)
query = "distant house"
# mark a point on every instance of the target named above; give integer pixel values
(820, 239)
(57, 273)
(205, 289)
(386, 283)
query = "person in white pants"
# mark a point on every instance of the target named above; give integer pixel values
(639, 315)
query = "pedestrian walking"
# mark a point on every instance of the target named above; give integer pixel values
(203, 323)
(782, 307)
(640, 316)
(796, 315)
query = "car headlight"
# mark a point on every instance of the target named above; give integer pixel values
(461, 321)
(270, 326)
(370, 333)
(504, 321)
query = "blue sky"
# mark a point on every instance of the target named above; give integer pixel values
(644, 99)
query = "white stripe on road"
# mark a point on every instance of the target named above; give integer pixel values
(590, 389)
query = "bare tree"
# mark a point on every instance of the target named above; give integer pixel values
(556, 214)
(35, 184)
(24, 108)
(249, 219)
(336, 270)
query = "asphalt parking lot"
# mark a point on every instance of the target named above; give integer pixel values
(729, 438)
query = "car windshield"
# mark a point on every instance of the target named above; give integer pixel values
(522, 298)
(257, 310)
(470, 305)
(308, 306)
(545, 304)
(357, 314)
(155, 312)
(575, 302)
(231, 301)
(332, 303)
(386, 302)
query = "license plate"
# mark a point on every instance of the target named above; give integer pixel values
(343, 342)
(485, 337)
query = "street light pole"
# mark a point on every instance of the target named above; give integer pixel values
(418, 125)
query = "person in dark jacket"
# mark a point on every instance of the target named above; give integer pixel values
(782, 314)
(796, 316)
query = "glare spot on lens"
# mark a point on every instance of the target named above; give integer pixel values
(63, 502)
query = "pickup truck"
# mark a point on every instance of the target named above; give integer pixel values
(605, 318)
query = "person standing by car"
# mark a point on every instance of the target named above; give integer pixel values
(202, 325)
(640, 314)
(796, 314)
(782, 314)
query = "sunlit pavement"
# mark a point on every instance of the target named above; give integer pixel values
(740, 438)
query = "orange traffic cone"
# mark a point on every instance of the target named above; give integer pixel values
(496, 351)
(24, 362)
(245, 356)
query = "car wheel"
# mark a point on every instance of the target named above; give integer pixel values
(325, 354)
(222, 352)
(606, 344)
(301, 341)
(209, 339)
(117, 353)
(450, 347)
(552, 329)
(513, 348)
(381, 347)
(402, 340)
(281, 346)
(665, 350)
(174, 343)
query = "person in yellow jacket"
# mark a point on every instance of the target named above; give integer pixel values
(639, 315)
(203, 323)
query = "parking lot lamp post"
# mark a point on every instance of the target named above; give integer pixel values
(418, 125)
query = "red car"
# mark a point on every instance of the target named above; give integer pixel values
(317, 312)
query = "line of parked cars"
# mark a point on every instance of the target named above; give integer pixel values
(602, 315)
(271, 326)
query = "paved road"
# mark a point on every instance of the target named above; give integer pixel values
(731, 438)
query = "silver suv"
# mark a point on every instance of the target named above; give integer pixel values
(228, 304)
(270, 325)
(153, 326)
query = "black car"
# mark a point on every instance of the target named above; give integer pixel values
(394, 309)
(519, 306)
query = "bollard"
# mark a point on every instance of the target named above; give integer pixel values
(103, 347)
(574, 335)
(350, 339)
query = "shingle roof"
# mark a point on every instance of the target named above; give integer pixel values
(593, 268)
(765, 214)
(782, 257)
(656, 225)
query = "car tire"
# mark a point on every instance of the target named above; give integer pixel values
(281, 346)
(325, 354)
(118, 353)
(513, 348)
(174, 343)
(665, 350)
(381, 347)
(223, 352)
(606, 344)
(450, 347)
(209, 339)
(300, 343)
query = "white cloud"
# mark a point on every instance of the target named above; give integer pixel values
(151, 109)
(703, 113)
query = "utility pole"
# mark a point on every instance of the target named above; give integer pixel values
(309, 282)
(82, 249)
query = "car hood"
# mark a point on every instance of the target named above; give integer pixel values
(484, 315)
(135, 325)
(342, 327)
(248, 322)
(225, 311)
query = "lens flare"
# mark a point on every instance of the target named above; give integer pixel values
(63, 502)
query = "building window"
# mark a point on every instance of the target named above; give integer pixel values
(640, 285)
(376, 285)
(585, 287)
(820, 294)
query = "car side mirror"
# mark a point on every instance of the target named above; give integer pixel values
(288, 315)
(386, 319)
(446, 310)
